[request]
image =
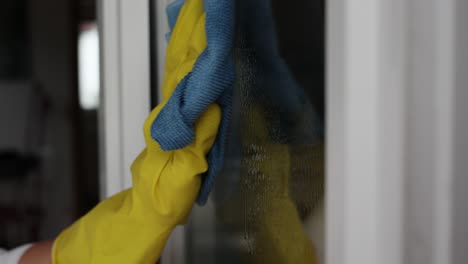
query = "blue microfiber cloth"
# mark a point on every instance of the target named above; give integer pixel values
(211, 81)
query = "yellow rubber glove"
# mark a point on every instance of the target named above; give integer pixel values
(133, 226)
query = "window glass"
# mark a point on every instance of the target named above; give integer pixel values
(267, 205)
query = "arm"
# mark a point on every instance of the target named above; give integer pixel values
(134, 225)
(40, 253)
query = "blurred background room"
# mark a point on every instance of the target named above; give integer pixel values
(49, 94)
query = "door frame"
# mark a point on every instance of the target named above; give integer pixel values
(125, 93)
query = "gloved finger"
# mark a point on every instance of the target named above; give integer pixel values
(213, 72)
(182, 37)
(173, 11)
(206, 129)
(202, 74)
(194, 48)
(190, 162)
(180, 177)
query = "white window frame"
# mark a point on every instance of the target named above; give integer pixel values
(396, 70)
(125, 94)
(359, 227)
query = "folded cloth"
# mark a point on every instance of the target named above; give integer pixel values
(210, 80)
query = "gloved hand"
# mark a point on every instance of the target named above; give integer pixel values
(204, 38)
(133, 226)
